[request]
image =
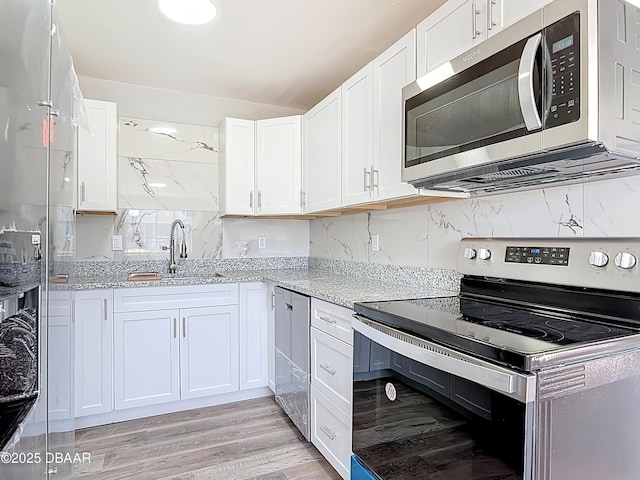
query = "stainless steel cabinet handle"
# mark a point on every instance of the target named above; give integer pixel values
(259, 199)
(45, 103)
(328, 369)
(474, 20)
(490, 21)
(105, 309)
(366, 183)
(82, 189)
(54, 113)
(328, 433)
(329, 320)
(273, 301)
(184, 327)
(375, 173)
(251, 199)
(303, 197)
(289, 306)
(175, 328)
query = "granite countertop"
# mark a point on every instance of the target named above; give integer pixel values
(340, 289)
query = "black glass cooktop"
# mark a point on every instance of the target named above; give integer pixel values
(493, 330)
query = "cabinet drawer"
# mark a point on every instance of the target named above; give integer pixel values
(59, 303)
(331, 432)
(332, 319)
(162, 298)
(332, 368)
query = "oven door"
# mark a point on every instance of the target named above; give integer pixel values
(421, 410)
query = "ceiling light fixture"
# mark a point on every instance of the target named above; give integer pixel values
(190, 12)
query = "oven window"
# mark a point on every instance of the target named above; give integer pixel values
(414, 421)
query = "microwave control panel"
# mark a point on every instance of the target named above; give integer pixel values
(563, 45)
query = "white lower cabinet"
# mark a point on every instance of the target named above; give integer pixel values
(271, 337)
(253, 335)
(331, 432)
(167, 355)
(145, 346)
(146, 359)
(331, 383)
(93, 325)
(60, 356)
(208, 351)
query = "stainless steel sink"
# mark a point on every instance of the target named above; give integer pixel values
(143, 276)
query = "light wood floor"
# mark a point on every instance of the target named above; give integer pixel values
(246, 440)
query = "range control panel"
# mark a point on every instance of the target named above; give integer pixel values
(605, 263)
(538, 255)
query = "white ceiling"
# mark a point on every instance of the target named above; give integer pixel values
(290, 53)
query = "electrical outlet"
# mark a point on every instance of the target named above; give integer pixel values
(262, 243)
(375, 243)
(116, 243)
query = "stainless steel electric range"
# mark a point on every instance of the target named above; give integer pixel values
(532, 372)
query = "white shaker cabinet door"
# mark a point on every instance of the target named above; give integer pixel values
(97, 158)
(237, 147)
(454, 28)
(146, 358)
(93, 324)
(279, 165)
(357, 137)
(254, 308)
(392, 70)
(208, 351)
(322, 156)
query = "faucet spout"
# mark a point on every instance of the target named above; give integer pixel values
(172, 247)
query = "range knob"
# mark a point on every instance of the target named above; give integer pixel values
(625, 260)
(469, 253)
(484, 253)
(598, 259)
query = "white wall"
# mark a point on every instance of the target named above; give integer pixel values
(428, 235)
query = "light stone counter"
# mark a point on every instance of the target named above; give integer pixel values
(339, 288)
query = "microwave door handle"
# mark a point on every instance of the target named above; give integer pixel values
(525, 83)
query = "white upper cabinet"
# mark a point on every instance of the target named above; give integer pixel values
(322, 154)
(279, 165)
(455, 27)
(237, 145)
(392, 70)
(514, 10)
(458, 25)
(262, 166)
(97, 158)
(357, 137)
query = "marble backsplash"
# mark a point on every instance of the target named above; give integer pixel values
(169, 171)
(428, 235)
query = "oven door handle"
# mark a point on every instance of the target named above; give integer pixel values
(526, 92)
(516, 385)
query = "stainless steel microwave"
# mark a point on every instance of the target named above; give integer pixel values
(553, 98)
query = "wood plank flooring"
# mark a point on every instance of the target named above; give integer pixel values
(249, 440)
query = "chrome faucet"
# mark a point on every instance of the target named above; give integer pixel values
(172, 248)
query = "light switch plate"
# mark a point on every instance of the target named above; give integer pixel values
(262, 242)
(116, 243)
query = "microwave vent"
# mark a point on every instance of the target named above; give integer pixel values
(511, 174)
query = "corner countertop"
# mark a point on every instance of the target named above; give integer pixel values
(341, 289)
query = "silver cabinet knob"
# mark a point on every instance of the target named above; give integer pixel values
(598, 259)
(625, 260)
(469, 253)
(484, 253)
